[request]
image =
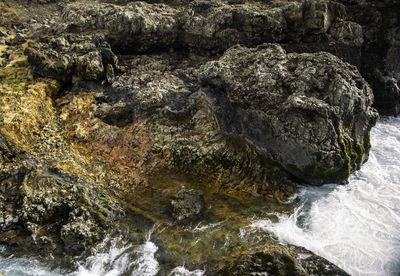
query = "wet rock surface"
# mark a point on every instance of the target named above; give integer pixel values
(281, 262)
(109, 107)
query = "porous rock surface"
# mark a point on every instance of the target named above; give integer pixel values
(310, 113)
(48, 210)
(364, 33)
(107, 107)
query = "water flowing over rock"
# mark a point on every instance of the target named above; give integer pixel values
(183, 119)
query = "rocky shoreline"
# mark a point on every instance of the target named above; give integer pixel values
(118, 115)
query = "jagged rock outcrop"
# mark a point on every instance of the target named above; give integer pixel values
(310, 113)
(255, 111)
(211, 26)
(155, 95)
(43, 208)
(87, 58)
(135, 27)
(362, 33)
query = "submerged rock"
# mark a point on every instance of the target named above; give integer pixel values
(187, 204)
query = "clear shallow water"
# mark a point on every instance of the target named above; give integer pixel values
(355, 226)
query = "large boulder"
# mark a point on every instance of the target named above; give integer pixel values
(310, 113)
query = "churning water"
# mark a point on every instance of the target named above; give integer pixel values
(355, 226)
(113, 258)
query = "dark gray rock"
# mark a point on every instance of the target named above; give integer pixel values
(134, 27)
(363, 33)
(64, 57)
(310, 113)
(380, 60)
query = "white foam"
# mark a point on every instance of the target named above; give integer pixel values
(182, 271)
(111, 262)
(24, 267)
(117, 258)
(146, 264)
(356, 226)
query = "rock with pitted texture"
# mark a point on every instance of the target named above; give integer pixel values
(134, 27)
(310, 113)
(86, 57)
(45, 209)
(380, 55)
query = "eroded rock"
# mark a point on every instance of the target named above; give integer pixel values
(64, 57)
(45, 209)
(135, 27)
(311, 113)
